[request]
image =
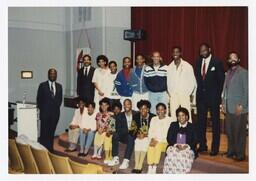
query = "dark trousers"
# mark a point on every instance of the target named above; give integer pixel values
(126, 139)
(47, 131)
(236, 132)
(202, 109)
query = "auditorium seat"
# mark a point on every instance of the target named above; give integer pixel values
(28, 159)
(79, 168)
(16, 164)
(43, 161)
(60, 164)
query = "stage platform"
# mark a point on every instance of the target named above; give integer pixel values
(203, 164)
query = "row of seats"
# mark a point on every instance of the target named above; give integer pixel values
(25, 159)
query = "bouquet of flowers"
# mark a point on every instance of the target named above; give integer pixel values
(144, 130)
(111, 126)
(133, 128)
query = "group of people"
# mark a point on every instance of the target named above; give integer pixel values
(143, 133)
(148, 108)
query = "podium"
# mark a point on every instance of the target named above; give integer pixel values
(27, 120)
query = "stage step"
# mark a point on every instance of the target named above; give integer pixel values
(203, 164)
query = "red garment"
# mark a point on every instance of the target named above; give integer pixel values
(126, 74)
(203, 75)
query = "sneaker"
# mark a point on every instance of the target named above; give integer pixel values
(125, 164)
(106, 161)
(94, 157)
(114, 161)
(98, 157)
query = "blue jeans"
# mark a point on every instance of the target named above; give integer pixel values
(157, 97)
(88, 137)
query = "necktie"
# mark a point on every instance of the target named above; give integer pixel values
(52, 90)
(203, 73)
(86, 69)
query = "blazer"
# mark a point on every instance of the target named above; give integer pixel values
(237, 91)
(85, 87)
(210, 89)
(121, 123)
(48, 105)
(189, 130)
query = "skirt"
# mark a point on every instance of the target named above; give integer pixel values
(178, 161)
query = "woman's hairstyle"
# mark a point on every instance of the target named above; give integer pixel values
(112, 62)
(86, 55)
(161, 104)
(102, 57)
(91, 103)
(182, 109)
(143, 103)
(104, 100)
(117, 104)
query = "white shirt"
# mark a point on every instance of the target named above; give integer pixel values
(159, 128)
(128, 119)
(53, 85)
(183, 125)
(99, 77)
(181, 80)
(88, 69)
(84, 120)
(109, 80)
(207, 62)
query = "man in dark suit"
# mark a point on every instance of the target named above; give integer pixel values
(85, 87)
(123, 123)
(49, 99)
(210, 76)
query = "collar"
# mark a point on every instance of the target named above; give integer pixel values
(127, 114)
(50, 82)
(144, 118)
(208, 58)
(87, 67)
(184, 125)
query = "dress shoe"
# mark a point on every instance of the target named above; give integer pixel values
(134, 170)
(230, 155)
(213, 153)
(69, 150)
(201, 149)
(139, 171)
(80, 154)
(239, 159)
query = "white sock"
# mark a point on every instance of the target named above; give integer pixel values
(99, 151)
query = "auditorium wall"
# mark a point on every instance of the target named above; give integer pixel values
(39, 38)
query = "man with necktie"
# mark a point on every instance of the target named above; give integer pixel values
(210, 76)
(85, 87)
(49, 99)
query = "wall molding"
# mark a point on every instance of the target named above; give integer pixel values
(35, 25)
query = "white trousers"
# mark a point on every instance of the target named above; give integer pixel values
(177, 100)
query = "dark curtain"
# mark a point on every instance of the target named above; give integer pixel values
(225, 29)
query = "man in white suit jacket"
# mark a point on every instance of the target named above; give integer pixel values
(181, 83)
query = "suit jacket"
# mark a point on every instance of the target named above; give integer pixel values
(48, 105)
(189, 130)
(237, 91)
(85, 87)
(210, 89)
(121, 123)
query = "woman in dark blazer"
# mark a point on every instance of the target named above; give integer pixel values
(181, 140)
